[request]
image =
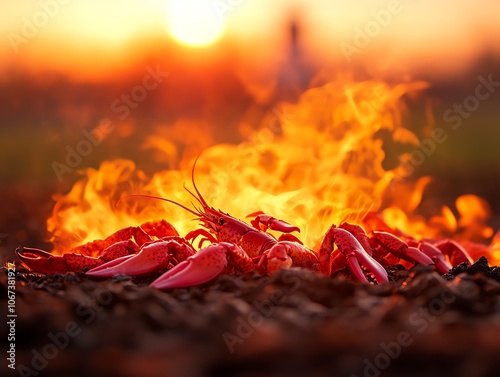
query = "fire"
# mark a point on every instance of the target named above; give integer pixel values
(319, 162)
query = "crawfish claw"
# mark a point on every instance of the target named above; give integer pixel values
(455, 252)
(154, 257)
(355, 253)
(264, 222)
(200, 268)
(437, 257)
(351, 253)
(400, 249)
(205, 266)
(47, 263)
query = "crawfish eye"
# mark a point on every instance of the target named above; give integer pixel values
(221, 221)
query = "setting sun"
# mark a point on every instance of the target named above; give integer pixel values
(194, 22)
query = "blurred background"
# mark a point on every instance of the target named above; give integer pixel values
(200, 73)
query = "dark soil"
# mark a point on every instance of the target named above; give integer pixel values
(296, 323)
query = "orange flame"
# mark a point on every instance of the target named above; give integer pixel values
(313, 163)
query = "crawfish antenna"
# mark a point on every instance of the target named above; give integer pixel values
(193, 195)
(200, 199)
(158, 198)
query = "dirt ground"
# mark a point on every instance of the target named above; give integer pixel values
(294, 323)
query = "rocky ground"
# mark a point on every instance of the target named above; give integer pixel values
(296, 323)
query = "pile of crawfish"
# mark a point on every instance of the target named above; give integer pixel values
(235, 246)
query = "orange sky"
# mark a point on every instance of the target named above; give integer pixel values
(94, 37)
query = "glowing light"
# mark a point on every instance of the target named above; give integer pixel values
(194, 22)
